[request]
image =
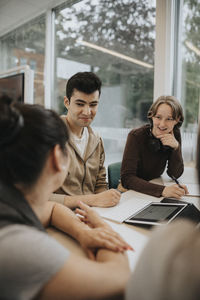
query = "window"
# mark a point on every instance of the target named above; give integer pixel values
(114, 39)
(191, 63)
(26, 45)
(187, 81)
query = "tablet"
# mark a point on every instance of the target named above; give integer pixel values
(156, 214)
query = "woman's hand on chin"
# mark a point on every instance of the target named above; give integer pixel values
(168, 139)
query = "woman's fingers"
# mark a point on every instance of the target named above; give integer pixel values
(110, 238)
(80, 212)
(119, 242)
(84, 206)
(185, 188)
(90, 254)
(102, 236)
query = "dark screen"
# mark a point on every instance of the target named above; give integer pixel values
(13, 87)
(155, 213)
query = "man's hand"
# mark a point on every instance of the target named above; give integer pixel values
(168, 140)
(175, 191)
(106, 199)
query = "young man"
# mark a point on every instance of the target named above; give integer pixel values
(86, 179)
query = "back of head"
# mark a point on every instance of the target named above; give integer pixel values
(177, 111)
(169, 267)
(86, 82)
(27, 135)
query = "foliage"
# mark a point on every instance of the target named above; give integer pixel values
(191, 62)
(124, 26)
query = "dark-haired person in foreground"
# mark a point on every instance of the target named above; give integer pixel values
(169, 266)
(153, 147)
(33, 163)
(86, 179)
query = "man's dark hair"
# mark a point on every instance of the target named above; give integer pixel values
(86, 82)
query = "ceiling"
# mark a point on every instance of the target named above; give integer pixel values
(16, 12)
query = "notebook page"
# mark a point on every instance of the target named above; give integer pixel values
(125, 208)
(136, 239)
(193, 189)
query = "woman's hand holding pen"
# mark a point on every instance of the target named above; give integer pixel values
(175, 191)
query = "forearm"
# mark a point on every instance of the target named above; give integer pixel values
(104, 199)
(118, 263)
(175, 163)
(143, 186)
(104, 255)
(73, 201)
(65, 220)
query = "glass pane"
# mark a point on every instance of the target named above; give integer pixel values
(26, 46)
(190, 79)
(191, 62)
(114, 39)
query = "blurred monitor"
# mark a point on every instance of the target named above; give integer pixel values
(13, 87)
(17, 84)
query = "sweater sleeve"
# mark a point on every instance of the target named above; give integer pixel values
(175, 163)
(101, 184)
(59, 198)
(129, 170)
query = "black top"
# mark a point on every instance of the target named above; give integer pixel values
(14, 209)
(141, 163)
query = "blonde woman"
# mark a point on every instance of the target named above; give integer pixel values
(152, 147)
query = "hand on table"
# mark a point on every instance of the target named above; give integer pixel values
(175, 191)
(106, 199)
(99, 234)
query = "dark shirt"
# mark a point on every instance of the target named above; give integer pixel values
(141, 163)
(14, 209)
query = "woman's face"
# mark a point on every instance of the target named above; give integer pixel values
(163, 121)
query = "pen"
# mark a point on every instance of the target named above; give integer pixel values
(177, 182)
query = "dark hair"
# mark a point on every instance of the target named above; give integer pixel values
(86, 82)
(177, 111)
(27, 135)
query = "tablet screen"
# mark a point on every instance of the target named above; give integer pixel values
(154, 212)
(157, 212)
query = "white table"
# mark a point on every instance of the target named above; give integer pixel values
(136, 236)
(190, 179)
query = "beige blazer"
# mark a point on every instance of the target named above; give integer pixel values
(86, 175)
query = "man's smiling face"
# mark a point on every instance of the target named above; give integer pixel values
(82, 108)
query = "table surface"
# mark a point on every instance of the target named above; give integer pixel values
(136, 236)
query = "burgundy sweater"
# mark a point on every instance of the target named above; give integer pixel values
(141, 164)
